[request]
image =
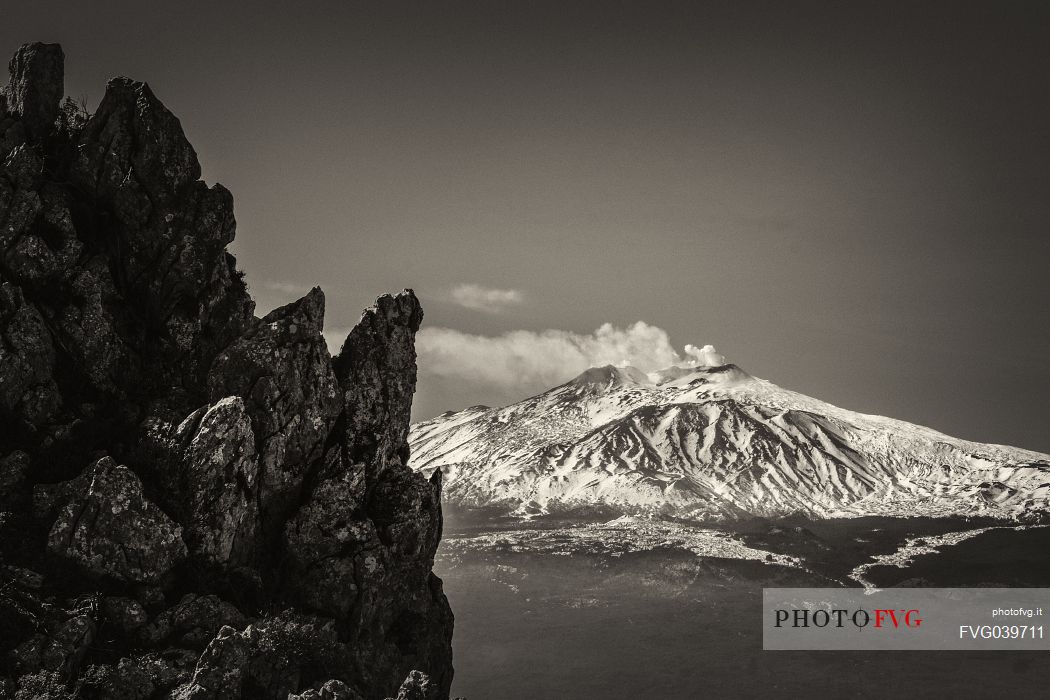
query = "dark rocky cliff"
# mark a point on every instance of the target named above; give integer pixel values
(194, 502)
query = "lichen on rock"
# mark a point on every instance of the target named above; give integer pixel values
(114, 531)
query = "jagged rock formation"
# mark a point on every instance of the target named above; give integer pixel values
(194, 502)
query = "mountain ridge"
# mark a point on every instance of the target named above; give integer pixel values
(714, 443)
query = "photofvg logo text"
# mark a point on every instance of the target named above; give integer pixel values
(878, 618)
(904, 618)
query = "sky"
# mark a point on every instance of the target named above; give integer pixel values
(848, 199)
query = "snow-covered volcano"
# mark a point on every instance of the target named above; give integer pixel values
(715, 442)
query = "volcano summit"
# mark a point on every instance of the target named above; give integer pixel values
(712, 443)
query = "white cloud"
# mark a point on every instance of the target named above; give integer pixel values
(706, 356)
(291, 289)
(528, 359)
(487, 299)
(458, 369)
(517, 364)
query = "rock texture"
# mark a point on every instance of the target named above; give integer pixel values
(114, 531)
(194, 502)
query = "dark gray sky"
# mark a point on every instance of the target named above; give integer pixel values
(849, 199)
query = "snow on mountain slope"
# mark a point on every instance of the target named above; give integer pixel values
(712, 443)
